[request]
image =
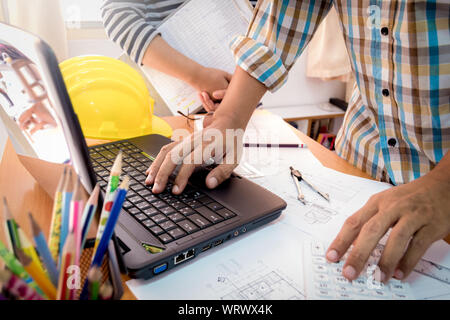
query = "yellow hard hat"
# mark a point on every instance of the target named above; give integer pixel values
(110, 99)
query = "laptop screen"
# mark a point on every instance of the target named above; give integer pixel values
(27, 110)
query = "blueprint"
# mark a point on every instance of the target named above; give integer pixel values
(261, 265)
(267, 263)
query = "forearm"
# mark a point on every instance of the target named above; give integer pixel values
(162, 57)
(242, 97)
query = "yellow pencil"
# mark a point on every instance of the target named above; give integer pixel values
(38, 276)
(29, 249)
(55, 227)
(21, 240)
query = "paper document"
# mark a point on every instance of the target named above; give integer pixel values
(261, 265)
(265, 129)
(202, 31)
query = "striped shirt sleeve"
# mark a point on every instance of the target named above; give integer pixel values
(126, 25)
(277, 35)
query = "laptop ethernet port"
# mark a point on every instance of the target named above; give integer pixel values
(190, 253)
(180, 258)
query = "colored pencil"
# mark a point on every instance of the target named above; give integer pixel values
(112, 220)
(55, 227)
(76, 207)
(16, 286)
(67, 259)
(29, 249)
(38, 276)
(94, 277)
(11, 228)
(65, 211)
(18, 237)
(106, 291)
(113, 183)
(44, 251)
(16, 267)
(88, 214)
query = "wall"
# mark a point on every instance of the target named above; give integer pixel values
(301, 90)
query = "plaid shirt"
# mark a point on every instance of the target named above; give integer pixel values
(397, 124)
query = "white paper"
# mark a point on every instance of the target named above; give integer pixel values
(202, 31)
(261, 265)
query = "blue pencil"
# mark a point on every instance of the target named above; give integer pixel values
(44, 251)
(109, 229)
(112, 220)
(65, 212)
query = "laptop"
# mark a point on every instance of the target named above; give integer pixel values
(155, 232)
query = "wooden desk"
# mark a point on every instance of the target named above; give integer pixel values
(23, 192)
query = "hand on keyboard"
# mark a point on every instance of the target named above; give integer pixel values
(203, 148)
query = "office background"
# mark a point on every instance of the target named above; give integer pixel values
(74, 27)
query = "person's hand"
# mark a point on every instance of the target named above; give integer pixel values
(211, 105)
(211, 84)
(418, 213)
(210, 80)
(197, 150)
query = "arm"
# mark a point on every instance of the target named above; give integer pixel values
(261, 66)
(126, 25)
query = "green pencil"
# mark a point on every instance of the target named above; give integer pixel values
(16, 267)
(94, 277)
(11, 227)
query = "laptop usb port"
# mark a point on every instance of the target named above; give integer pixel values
(206, 247)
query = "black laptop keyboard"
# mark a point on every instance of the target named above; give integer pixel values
(167, 216)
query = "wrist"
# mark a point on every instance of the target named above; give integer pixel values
(194, 74)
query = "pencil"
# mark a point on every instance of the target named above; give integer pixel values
(28, 248)
(11, 228)
(76, 207)
(17, 287)
(65, 210)
(112, 220)
(113, 183)
(16, 267)
(97, 257)
(44, 251)
(55, 227)
(88, 214)
(106, 291)
(94, 277)
(38, 276)
(275, 145)
(67, 259)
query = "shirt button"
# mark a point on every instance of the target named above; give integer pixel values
(384, 31)
(392, 142)
(385, 92)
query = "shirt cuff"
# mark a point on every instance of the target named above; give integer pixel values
(144, 45)
(259, 61)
